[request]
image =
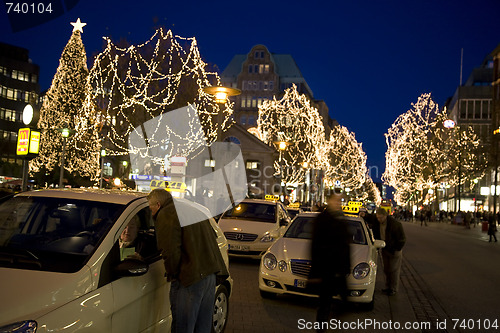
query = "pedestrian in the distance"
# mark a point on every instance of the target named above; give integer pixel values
(330, 256)
(391, 231)
(192, 259)
(492, 227)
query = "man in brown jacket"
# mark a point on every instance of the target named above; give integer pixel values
(192, 259)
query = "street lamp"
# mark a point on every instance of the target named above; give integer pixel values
(65, 132)
(221, 95)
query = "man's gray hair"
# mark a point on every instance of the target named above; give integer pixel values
(159, 195)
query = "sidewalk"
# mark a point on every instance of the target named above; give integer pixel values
(474, 232)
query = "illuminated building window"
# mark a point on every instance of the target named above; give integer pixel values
(252, 165)
(209, 163)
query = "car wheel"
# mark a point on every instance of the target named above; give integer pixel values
(221, 309)
(267, 294)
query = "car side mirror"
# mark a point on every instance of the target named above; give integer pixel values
(283, 222)
(379, 244)
(131, 267)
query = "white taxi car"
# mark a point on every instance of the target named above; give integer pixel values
(61, 268)
(253, 225)
(284, 268)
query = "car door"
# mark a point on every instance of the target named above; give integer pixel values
(141, 303)
(282, 215)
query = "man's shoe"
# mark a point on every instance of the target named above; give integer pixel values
(391, 293)
(385, 291)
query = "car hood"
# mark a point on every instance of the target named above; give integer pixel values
(29, 294)
(246, 226)
(296, 248)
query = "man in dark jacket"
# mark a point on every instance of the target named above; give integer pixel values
(391, 231)
(192, 259)
(330, 256)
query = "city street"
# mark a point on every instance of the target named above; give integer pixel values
(448, 279)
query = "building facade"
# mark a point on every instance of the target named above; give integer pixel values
(261, 75)
(18, 86)
(472, 105)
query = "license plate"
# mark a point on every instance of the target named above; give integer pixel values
(300, 283)
(239, 247)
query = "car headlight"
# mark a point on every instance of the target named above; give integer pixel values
(27, 326)
(282, 265)
(267, 238)
(270, 261)
(361, 270)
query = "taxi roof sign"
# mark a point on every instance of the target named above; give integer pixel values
(271, 197)
(294, 205)
(350, 209)
(168, 185)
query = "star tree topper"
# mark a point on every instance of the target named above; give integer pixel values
(78, 25)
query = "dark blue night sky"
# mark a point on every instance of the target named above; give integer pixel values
(368, 59)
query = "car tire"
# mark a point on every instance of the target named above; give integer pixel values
(267, 294)
(221, 309)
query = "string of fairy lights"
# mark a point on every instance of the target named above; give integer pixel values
(61, 108)
(131, 85)
(346, 159)
(128, 85)
(422, 154)
(293, 120)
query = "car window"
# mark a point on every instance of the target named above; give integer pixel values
(139, 237)
(302, 227)
(54, 234)
(356, 230)
(259, 212)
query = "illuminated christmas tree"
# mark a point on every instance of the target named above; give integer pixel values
(346, 160)
(422, 153)
(295, 122)
(133, 84)
(62, 108)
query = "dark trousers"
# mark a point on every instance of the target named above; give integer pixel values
(329, 288)
(192, 307)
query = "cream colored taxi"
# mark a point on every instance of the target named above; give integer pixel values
(253, 225)
(285, 267)
(61, 269)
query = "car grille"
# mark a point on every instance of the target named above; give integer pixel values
(300, 267)
(238, 236)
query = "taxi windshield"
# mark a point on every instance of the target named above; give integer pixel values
(53, 234)
(259, 212)
(303, 226)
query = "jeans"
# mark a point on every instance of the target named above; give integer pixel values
(392, 268)
(192, 307)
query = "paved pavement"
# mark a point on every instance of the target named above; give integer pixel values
(413, 303)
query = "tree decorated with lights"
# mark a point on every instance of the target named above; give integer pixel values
(422, 153)
(62, 108)
(295, 122)
(134, 84)
(346, 160)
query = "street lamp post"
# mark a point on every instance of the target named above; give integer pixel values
(103, 153)
(221, 95)
(65, 132)
(495, 142)
(282, 145)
